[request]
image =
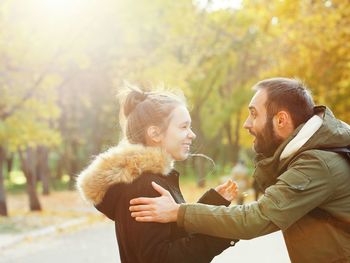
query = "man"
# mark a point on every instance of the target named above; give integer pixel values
(307, 185)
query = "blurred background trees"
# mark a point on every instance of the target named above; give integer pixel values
(62, 62)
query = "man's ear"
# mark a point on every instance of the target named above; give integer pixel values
(282, 119)
(154, 134)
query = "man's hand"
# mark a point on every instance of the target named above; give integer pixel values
(228, 190)
(161, 209)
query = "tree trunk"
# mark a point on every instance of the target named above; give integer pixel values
(28, 162)
(236, 142)
(74, 165)
(228, 130)
(233, 142)
(43, 170)
(3, 206)
(59, 167)
(9, 162)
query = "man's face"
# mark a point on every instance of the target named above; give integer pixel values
(260, 125)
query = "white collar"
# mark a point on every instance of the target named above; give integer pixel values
(306, 132)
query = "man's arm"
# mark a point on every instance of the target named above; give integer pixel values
(164, 209)
(306, 185)
(240, 221)
(217, 221)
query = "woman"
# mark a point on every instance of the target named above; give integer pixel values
(158, 131)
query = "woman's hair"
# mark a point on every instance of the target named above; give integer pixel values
(141, 109)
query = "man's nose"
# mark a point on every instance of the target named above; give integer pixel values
(247, 124)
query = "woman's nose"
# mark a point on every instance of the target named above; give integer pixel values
(192, 135)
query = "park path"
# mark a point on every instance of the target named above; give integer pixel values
(96, 243)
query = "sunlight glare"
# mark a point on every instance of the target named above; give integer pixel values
(61, 8)
(219, 4)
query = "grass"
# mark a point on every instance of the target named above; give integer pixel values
(15, 183)
(57, 208)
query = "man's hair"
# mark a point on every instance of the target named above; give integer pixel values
(290, 95)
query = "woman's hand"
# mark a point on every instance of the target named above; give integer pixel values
(228, 190)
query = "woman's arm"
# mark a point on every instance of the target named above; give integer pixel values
(222, 194)
(156, 243)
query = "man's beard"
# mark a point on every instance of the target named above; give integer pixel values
(267, 141)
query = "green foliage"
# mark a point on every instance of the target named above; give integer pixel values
(61, 67)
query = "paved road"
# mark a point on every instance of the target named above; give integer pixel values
(267, 249)
(89, 244)
(96, 243)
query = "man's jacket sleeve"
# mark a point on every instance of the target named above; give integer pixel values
(304, 186)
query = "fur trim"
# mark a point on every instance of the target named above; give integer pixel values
(120, 164)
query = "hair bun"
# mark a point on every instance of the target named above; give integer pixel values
(133, 99)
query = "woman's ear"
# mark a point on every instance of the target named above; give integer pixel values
(154, 134)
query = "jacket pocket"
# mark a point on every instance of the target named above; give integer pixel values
(296, 180)
(287, 189)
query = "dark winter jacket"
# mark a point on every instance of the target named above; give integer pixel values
(125, 172)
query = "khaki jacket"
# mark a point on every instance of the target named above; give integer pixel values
(297, 179)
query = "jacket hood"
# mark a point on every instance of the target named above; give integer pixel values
(321, 131)
(120, 164)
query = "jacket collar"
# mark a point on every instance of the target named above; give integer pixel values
(305, 133)
(317, 133)
(120, 164)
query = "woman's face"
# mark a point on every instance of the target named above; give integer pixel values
(177, 138)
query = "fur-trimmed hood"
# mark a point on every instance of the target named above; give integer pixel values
(120, 164)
